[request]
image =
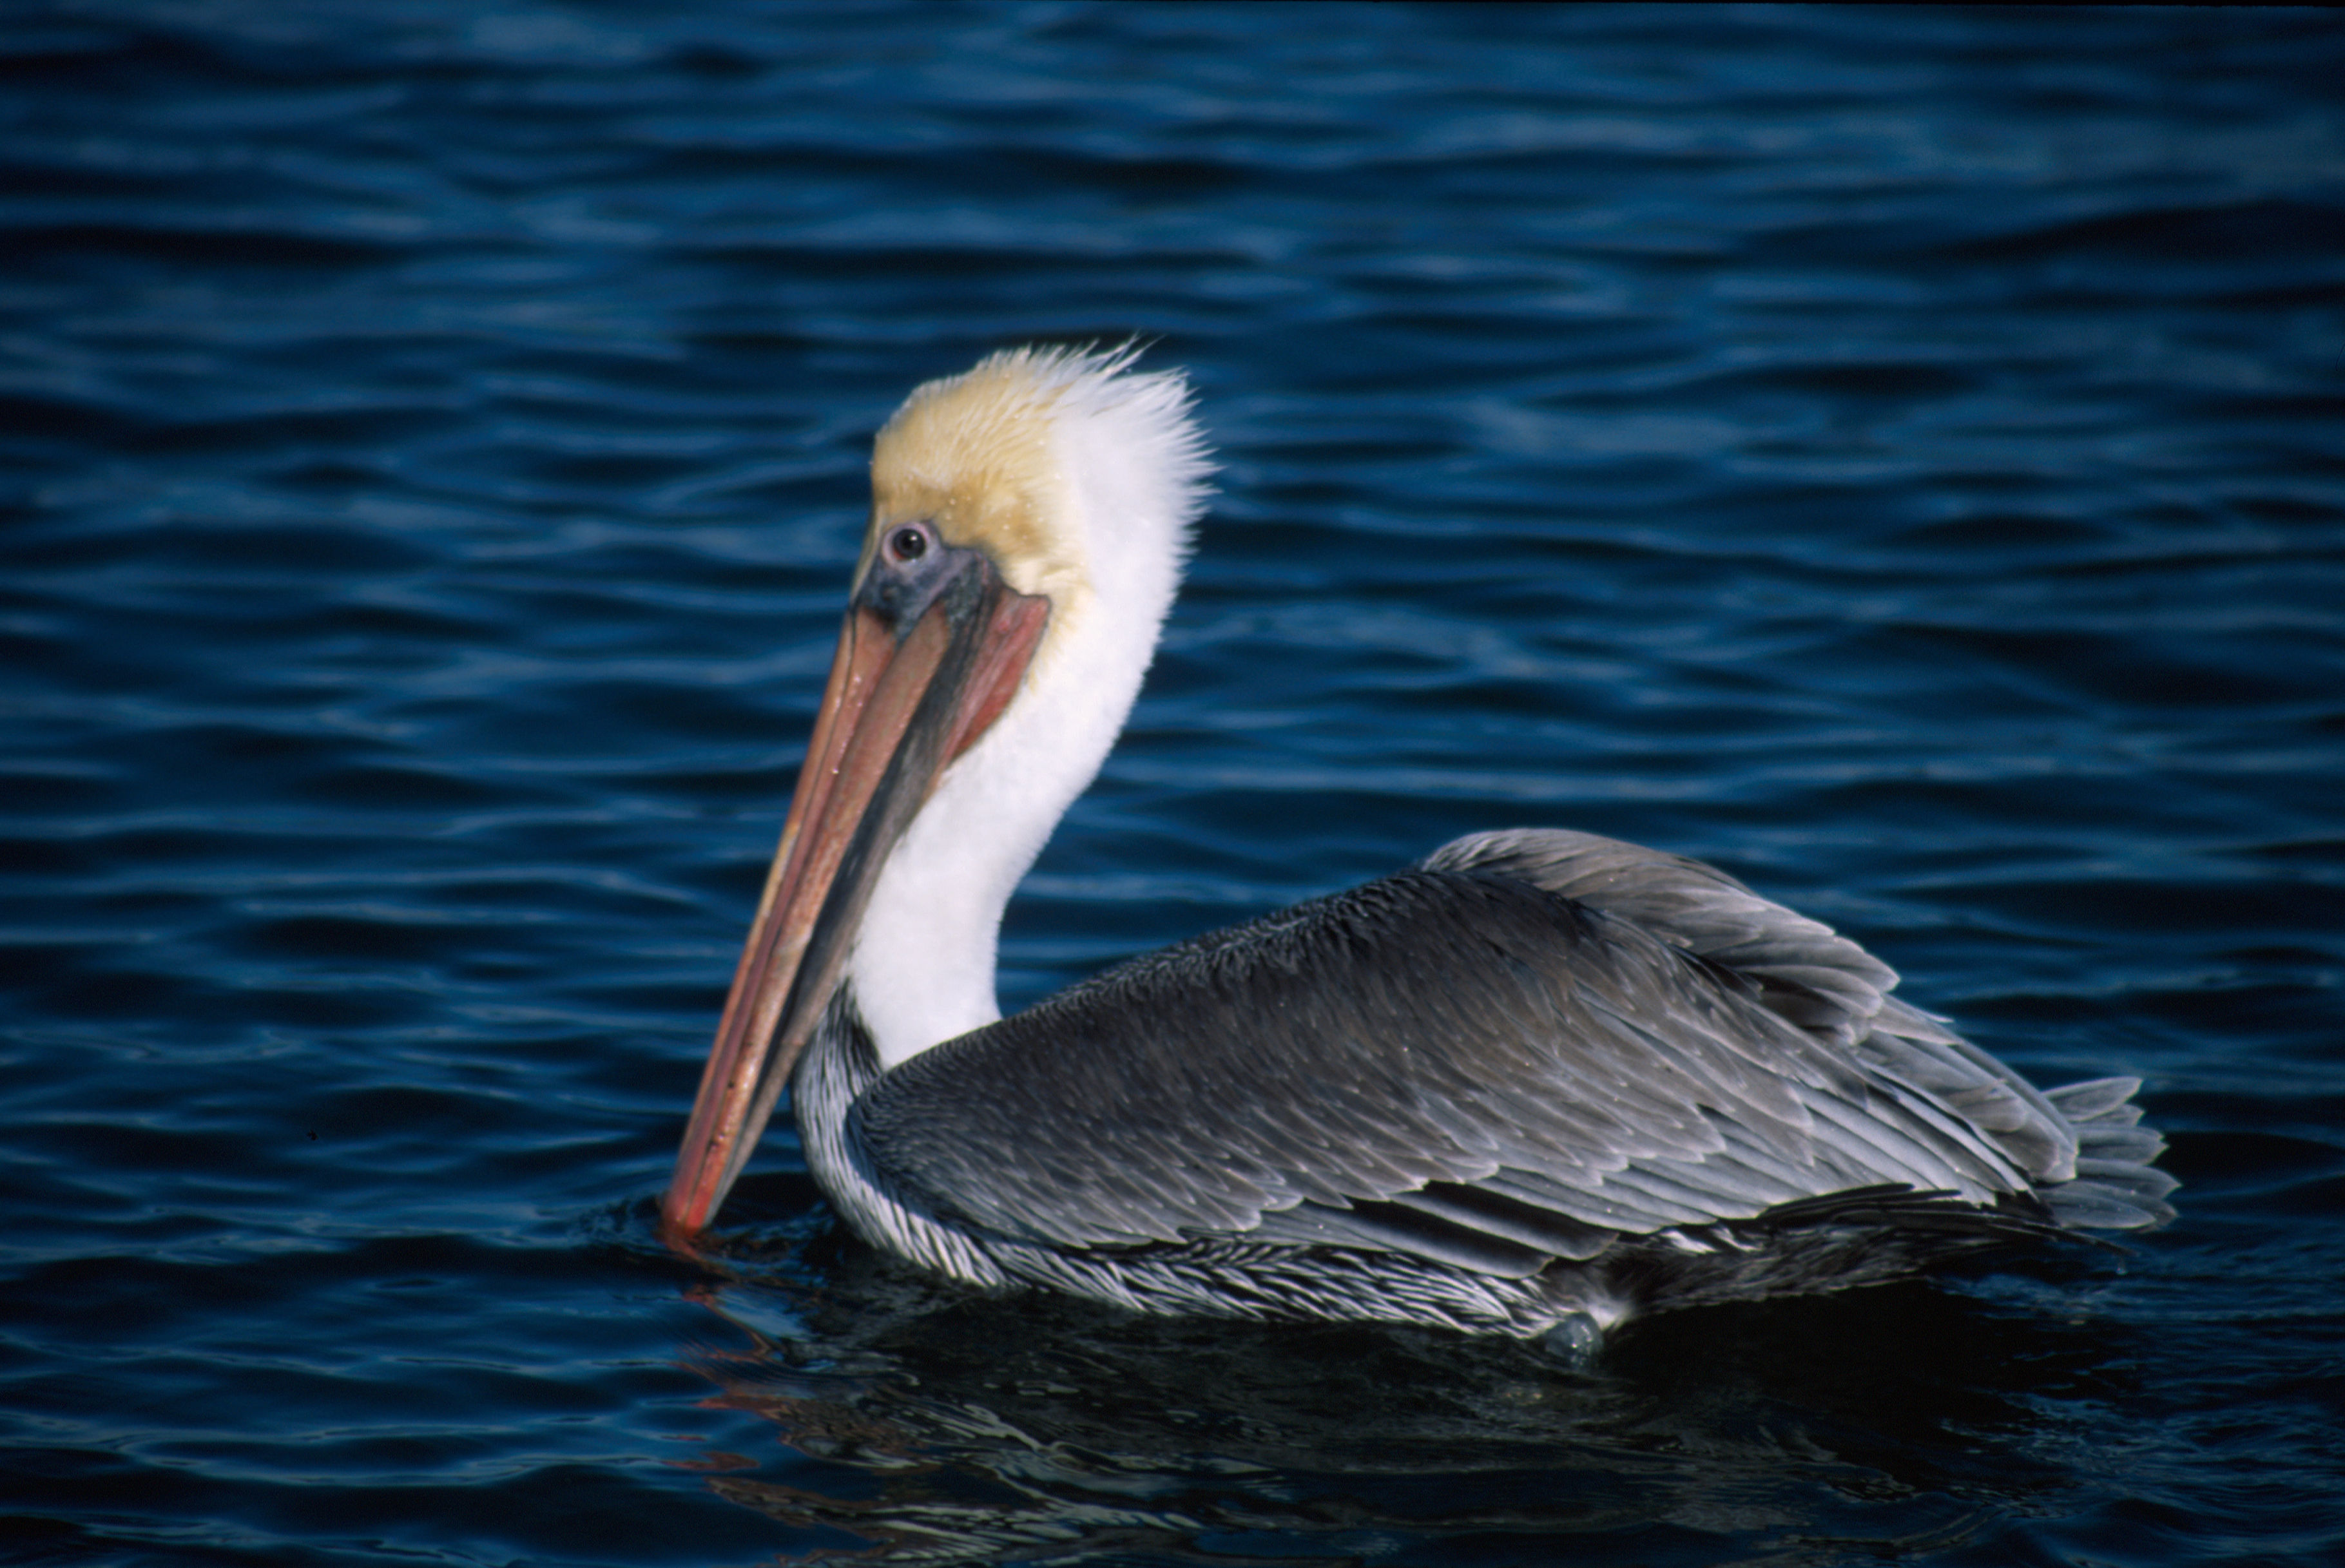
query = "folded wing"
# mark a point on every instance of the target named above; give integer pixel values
(1523, 1049)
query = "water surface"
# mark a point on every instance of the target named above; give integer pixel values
(1894, 455)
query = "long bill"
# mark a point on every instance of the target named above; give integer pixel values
(911, 689)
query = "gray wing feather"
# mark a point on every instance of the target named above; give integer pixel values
(2116, 1186)
(1807, 973)
(1819, 980)
(1449, 1062)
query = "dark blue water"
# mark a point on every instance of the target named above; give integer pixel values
(1898, 456)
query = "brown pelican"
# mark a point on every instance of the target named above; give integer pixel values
(1539, 1080)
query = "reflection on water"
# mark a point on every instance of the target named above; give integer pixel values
(916, 1423)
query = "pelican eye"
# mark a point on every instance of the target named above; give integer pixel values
(907, 544)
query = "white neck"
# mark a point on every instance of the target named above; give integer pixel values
(1133, 469)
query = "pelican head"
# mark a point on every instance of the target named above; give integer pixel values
(1029, 520)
